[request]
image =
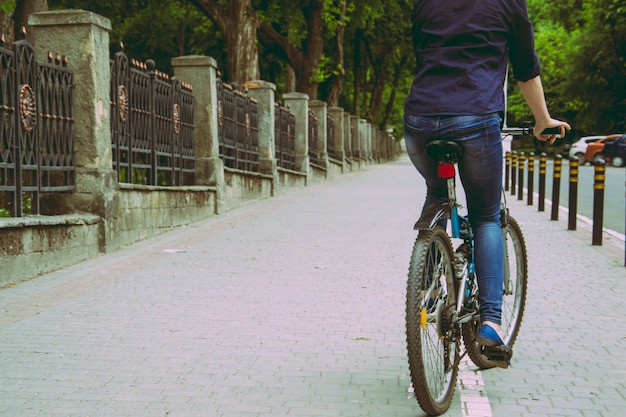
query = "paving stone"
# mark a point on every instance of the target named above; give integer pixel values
(294, 306)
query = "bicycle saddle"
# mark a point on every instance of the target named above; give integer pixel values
(444, 150)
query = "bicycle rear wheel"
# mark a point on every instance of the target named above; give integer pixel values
(514, 295)
(432, 344)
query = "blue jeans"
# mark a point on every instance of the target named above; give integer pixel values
(480, 169)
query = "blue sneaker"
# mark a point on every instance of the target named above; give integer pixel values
(495, 350)
(487, 336)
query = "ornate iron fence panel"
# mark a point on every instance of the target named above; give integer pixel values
(238, 128)
(184, 128)
(151, 125)
(37, 116)
(120, 116)
(285, 137)
(314, 154)
(330, 137)
(57, 125)
(10, 185)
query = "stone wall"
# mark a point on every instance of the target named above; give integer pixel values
(102, 215)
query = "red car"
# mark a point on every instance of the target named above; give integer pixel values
(611, 148)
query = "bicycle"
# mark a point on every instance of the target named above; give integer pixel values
(442, 291)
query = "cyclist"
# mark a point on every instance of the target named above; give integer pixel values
(462, 49)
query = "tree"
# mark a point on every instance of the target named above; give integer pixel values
(238, 23)
(15, 15)
(155, 29)
(598, 69)
(378, 52)
(25, 7)
(298, 41)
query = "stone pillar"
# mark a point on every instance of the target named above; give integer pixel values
(374, 148)
(320, 110)
(201, 73)
(337, 114)
(347, 136)
(264, 93)
(298, 104)
(356, 141)
(363, 140)
(89, 60)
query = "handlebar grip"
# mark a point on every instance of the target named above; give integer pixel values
(528, 130)
(551, 131)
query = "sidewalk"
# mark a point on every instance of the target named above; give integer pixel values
(294, 306)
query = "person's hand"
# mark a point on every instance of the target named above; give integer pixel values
(541, 126)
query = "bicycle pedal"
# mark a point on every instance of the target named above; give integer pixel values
(499, 355)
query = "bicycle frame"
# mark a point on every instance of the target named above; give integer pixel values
(442, 306)
(460, 229)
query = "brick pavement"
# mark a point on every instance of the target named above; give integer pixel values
(294, 306)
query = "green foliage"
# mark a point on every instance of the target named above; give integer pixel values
(155, 29)
(581, 44)
(7, 6)
(601, 48)
(582, 47)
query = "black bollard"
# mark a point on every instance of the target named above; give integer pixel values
(573, 193)
(543, 158)
(599, 176)
(513, 171)
(507, 165)
(531, 178)
(556, 186)
(521, 164)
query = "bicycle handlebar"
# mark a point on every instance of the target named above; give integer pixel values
(515, 131)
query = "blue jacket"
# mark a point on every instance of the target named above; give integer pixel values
(462, 49)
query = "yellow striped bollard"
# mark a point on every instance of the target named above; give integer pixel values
(573, 193)
(556, 186)
(599, 177)
(521, 164)
(531, 178)
(513, 171)
(507, 165)
(543, 160)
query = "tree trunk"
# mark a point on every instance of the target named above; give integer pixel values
(306, 71)
(336, 84)
(356, 104)
(376, 97)
(305, 63)
(392, 97)
(239, 26)
(241, 38)
(290, 79)
(6, 28)
(23, 9)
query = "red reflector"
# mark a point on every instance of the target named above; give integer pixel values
(445, 170)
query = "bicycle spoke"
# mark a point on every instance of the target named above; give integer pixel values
(433, 367)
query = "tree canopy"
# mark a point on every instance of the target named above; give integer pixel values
(357, 53)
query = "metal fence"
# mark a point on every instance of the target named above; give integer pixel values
(238, 128)
(315, 157)
(330, 138)
(151, 125)
(37, 128)
(285, 137)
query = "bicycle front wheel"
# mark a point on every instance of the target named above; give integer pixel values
(514, 295)
(515, 281)
(432, 344)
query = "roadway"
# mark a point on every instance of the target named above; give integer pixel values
(294, 306)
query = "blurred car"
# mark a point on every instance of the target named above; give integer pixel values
(506, 143)
(611, 148)
(579, 147)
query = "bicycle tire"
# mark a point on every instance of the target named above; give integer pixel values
(514, 297)
(432, 351)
